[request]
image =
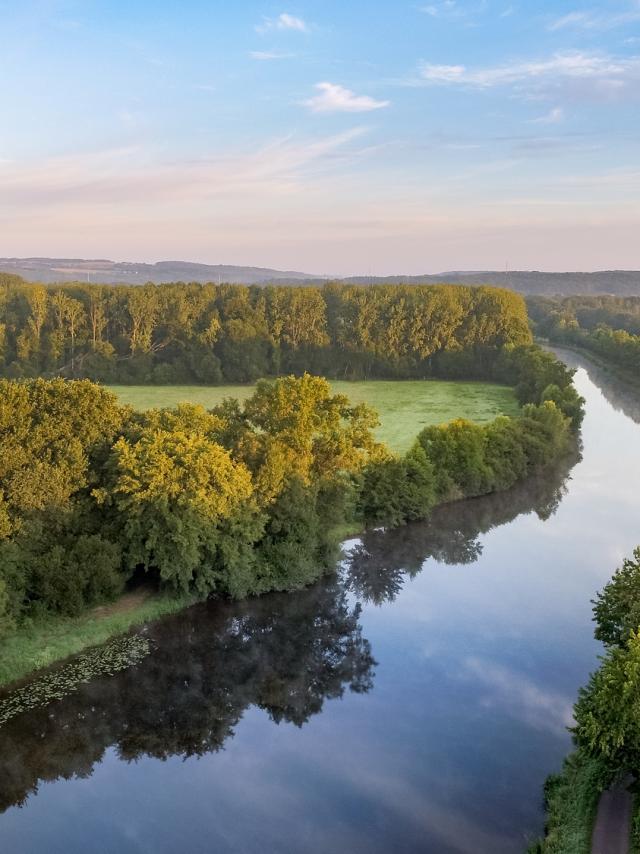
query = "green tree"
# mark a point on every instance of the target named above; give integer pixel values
(53, 435)
(607, 713)
(176, 493)
(616, 608)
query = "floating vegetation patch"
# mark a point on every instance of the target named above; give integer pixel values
(104, 661)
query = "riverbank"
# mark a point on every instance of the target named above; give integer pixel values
(630, 380)
(42, 643)
(571, 803)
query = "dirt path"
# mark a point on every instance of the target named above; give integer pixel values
(125, 603)
(613, 821)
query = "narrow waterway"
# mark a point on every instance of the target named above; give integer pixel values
(416, 703)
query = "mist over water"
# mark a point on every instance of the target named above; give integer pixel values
(415, 702)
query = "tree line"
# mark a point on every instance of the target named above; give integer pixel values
(195, 333)
(587, 311)
(607, 326)
(242, 499)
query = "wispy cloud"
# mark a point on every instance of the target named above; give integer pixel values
(333, 98)
(553, 117)
(452, 10)
(122, 176)
(596, 20)
(592, 74)
(284, 21)
(266, 55)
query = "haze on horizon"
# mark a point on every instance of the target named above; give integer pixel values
(331, 138)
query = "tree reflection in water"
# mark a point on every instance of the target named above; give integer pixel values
(621, 393)
(283, 653)
(376, 567)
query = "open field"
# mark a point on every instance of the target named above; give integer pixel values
(404, 406)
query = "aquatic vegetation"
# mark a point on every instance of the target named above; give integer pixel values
(117, 655)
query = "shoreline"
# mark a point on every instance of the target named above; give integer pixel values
(34, 649)
(49, 642)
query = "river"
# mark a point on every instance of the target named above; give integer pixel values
(415, 703)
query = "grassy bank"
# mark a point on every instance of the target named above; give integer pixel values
(405, 406)
(44, 642)
(571, 801)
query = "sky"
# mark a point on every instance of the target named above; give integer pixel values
(336, 138)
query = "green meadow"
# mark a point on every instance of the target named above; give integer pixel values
(404, 406)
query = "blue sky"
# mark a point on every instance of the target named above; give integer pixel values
(330, 137)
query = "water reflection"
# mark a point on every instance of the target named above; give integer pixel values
(620, 394)
(378, 564)
(480, 658)
(284, 654)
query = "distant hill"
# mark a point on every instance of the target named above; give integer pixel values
(619, 282)
(129, 273)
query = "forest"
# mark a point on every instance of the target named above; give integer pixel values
(194, 333)
(606, 326)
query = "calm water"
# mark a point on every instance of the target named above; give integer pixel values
(414, 704)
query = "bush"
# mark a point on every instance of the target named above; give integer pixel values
(396, 490)
(571, 800)
(457, 452)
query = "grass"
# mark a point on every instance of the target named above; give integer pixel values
(46, 641)
(571, 800)
(404, 406)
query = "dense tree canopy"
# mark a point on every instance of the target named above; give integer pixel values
(234, 333)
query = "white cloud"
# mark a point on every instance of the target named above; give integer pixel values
(590, 74)
(283, 22)
(553, 117)
(266, 55)
(521, 697)
(595, 20)
(333, 98)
